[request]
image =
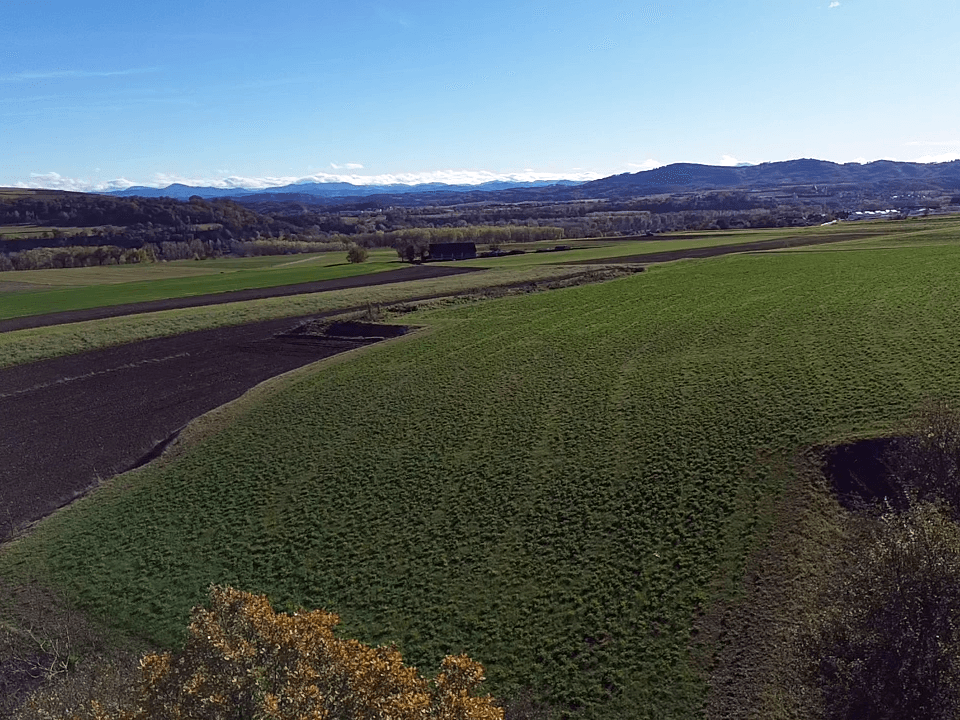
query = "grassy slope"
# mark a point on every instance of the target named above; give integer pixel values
(882, 234)
(223, 279)
(556, 484)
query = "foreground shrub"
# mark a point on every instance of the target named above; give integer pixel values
(889, 646)
(242, 660)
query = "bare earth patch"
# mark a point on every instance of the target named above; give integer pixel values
(87, 417)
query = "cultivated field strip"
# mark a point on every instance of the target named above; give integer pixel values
(556, 484)
(233, 285)
(395, 275)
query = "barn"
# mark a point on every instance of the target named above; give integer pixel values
(453, 251)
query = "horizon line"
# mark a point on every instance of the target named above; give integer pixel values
(161, 181)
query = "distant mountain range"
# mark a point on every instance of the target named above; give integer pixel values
(179, 191)
(685, 177)
(675, 178)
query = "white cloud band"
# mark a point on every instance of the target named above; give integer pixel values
(55, 181)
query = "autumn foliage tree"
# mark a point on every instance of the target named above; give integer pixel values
(244, 660)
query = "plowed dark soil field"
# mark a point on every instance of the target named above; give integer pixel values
(70, 421)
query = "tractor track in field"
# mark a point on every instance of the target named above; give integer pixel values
(717, 250)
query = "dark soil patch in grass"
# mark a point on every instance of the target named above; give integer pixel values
(347, 329)
(858, 473)
(52, 653)
(19, 676)
(76, 420)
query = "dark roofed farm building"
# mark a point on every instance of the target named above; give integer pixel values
(453, 251)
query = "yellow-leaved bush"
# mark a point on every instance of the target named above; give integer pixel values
(243, 660)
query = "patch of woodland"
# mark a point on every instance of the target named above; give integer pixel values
(852, 609)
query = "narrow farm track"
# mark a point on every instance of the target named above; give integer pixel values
(406, 274)
(70, 421)
(716, 250)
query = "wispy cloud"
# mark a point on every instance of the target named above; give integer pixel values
(29, 75)
(863, 161)
(933, 143)
(392, 17)
(55, 181)
(648, 164)
(347, 166)
(834, 4)
(940, 157)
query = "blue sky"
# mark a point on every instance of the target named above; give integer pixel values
(109, 93)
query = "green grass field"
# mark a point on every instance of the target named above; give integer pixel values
(99, 287)
(36, 292)
(556, 484)
(116, 274)
(601, 249)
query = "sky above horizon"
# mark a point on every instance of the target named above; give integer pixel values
(104, 94)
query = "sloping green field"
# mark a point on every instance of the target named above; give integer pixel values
(100, 287)
(556, 484)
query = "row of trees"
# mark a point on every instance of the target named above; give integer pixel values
(68, 257)
(415, 240)
(60, 209)
(72, 256)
